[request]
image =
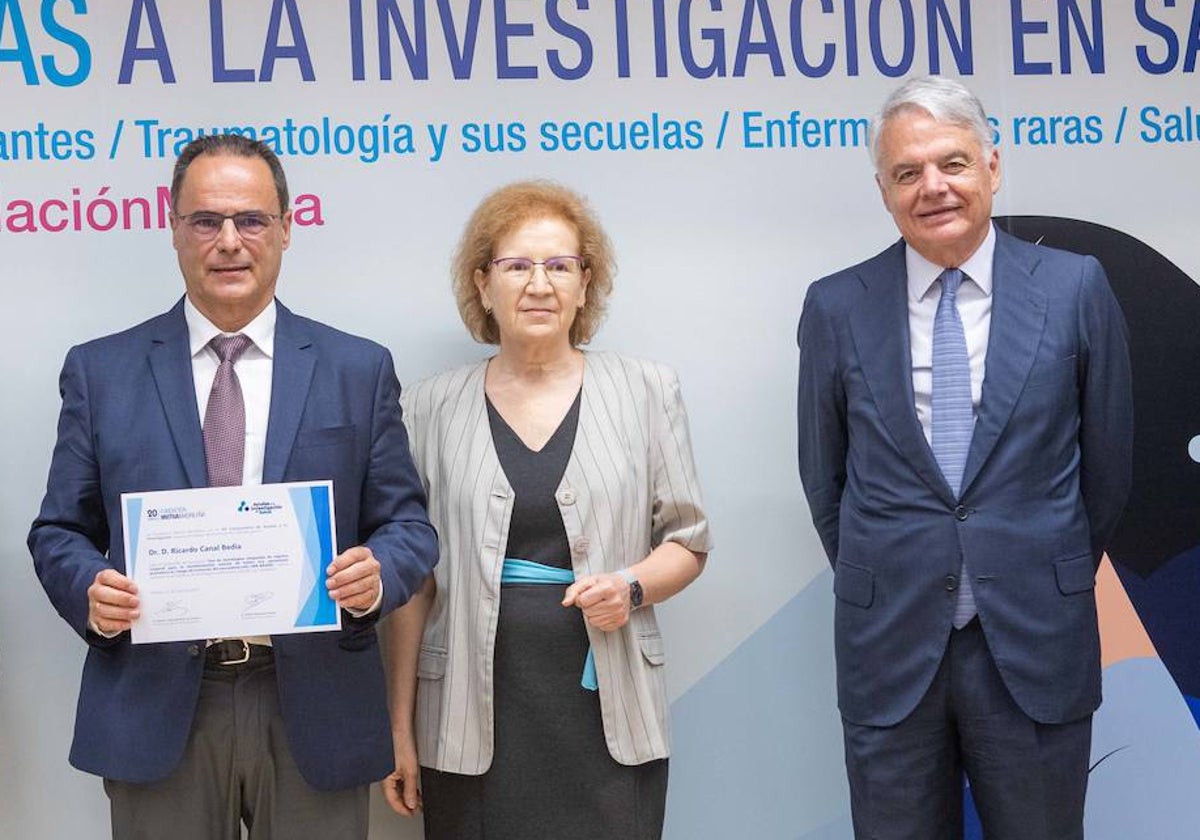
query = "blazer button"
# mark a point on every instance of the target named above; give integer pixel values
(951, 583)
(961, 513)
(566, 497)
(581, 545)
(193, 651)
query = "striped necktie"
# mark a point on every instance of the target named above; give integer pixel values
(953, 412)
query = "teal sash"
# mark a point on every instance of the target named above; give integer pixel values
(526, 571)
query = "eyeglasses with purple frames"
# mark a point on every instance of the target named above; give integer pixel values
(565, 267)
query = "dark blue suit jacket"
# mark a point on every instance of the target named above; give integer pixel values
(129, 423)
(1046, 477)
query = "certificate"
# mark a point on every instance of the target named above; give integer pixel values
(231, 561)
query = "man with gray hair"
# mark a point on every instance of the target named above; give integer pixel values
(965, 435)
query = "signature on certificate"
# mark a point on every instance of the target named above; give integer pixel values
(254, 599)
(172, 609)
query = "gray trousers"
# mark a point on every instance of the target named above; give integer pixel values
(237, 768)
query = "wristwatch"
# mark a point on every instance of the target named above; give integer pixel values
(636, 593)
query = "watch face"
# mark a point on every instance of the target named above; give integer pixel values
(635, 593)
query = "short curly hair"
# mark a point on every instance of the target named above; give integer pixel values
(502, 212)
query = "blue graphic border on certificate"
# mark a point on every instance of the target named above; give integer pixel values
(311, 505)
(133, 526)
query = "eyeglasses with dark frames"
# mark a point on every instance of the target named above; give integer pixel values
(205, 224)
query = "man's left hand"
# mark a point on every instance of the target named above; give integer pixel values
(353, 579)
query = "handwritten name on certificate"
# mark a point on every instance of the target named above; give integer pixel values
(231, 561)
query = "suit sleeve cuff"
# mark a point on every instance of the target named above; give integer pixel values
(371, 610)
(92, 627)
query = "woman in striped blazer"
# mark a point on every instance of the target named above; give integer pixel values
(527, 674)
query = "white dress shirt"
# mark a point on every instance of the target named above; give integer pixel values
(974, 308)
(254, 369)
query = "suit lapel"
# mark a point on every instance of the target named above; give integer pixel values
(171, 366)
(1018, 318)
(480, 465)
(880, 330)
(478, 432)
(290, 380)
(591, 398)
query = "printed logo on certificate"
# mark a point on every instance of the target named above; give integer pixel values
(215, 562)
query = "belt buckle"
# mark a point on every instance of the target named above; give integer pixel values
(245, 657)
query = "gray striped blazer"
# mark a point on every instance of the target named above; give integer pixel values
(630, 484)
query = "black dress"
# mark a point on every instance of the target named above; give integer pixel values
(552, 777)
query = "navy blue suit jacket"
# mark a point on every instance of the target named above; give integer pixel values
(1047, 475)
(129, 423)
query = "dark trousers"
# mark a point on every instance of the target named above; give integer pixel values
(1028, 779)
(237, 768)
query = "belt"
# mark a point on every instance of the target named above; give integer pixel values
(235, 652)
(526, 571)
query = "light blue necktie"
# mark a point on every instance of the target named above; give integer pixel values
(953, 413)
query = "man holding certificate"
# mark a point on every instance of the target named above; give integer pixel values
(207, 699)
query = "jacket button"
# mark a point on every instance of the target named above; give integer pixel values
(566, 497)
(193, 651)
(961, 513)
(951, 583)
(582, 545)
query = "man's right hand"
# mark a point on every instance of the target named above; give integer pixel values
(112, 603)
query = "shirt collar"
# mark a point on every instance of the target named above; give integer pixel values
(261, 330)
(922, 274)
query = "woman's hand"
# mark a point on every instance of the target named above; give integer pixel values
(402, 787)
(604, 600)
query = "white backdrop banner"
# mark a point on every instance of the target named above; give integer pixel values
(722, 143)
